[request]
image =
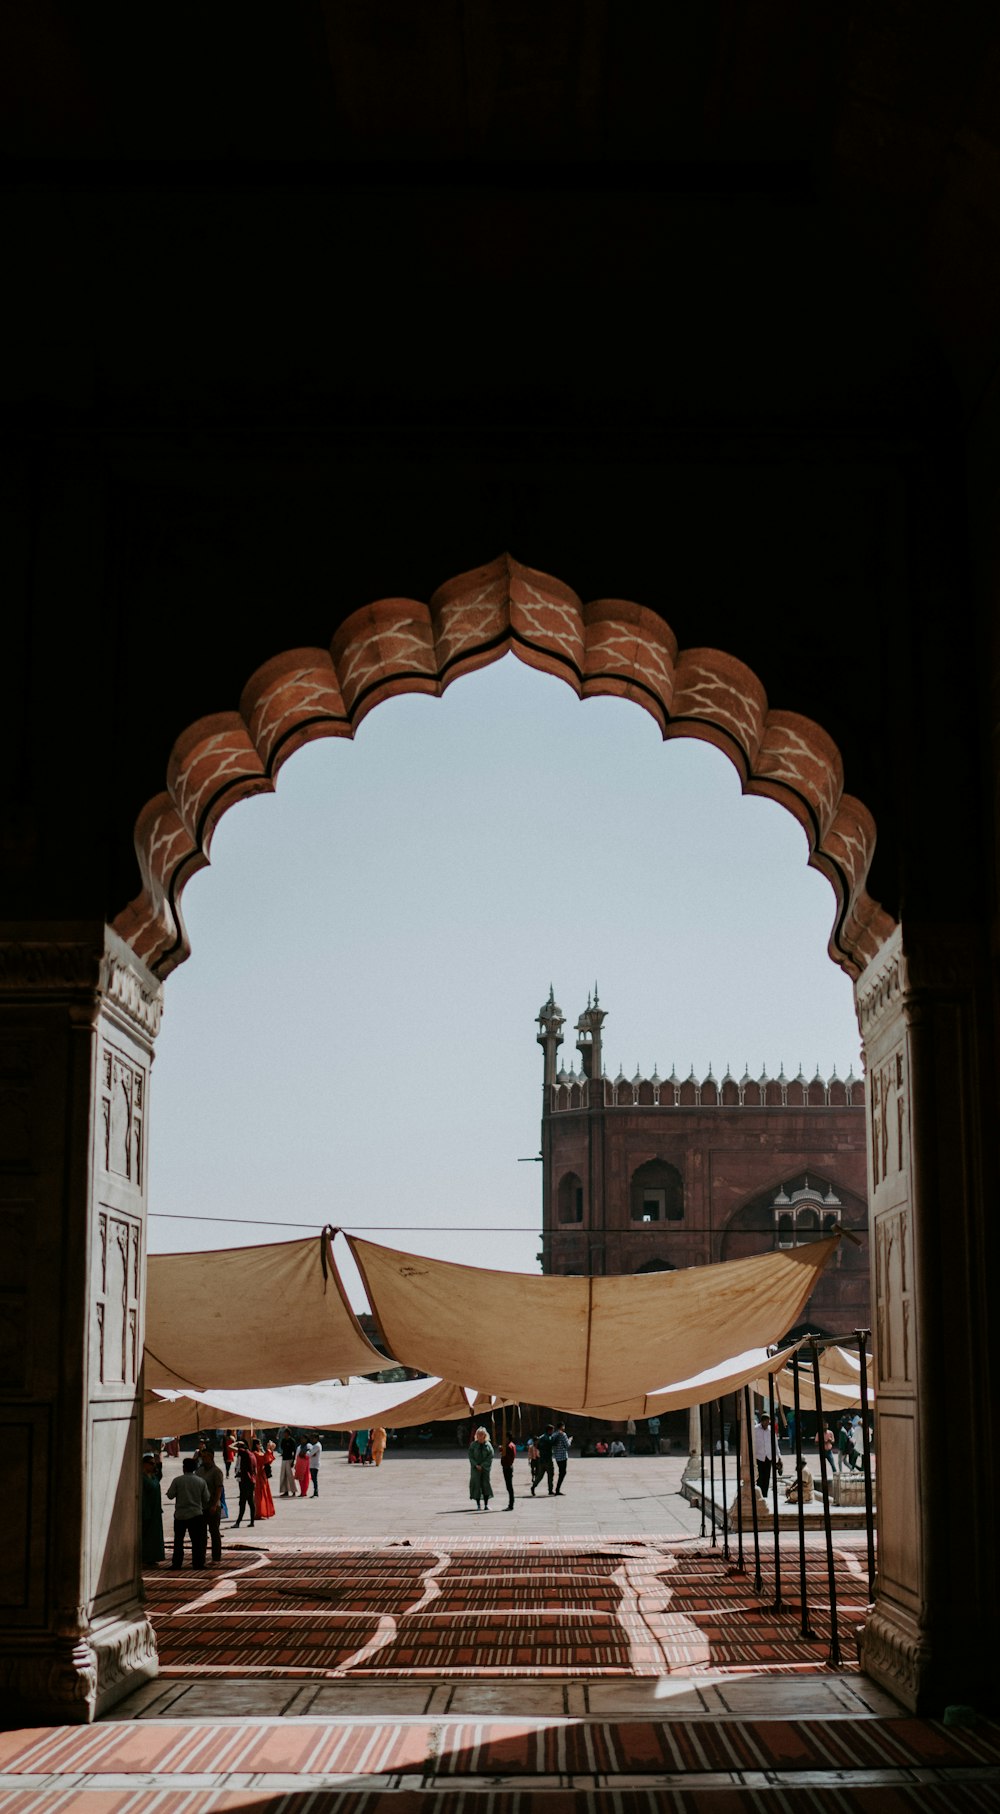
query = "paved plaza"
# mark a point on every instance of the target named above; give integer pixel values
(416, 1493)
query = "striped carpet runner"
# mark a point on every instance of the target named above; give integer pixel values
(504, 1610)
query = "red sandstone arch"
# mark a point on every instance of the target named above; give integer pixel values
(399, 645)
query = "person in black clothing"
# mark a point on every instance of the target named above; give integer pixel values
(246, 1475)
(287, 1446)
(508, 1456)
(546, 1465)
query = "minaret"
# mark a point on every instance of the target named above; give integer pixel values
(588, 1043)
(549, 1036)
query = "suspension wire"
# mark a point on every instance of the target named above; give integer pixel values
(447, 1228)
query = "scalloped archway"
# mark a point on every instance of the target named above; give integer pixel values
(401, 645)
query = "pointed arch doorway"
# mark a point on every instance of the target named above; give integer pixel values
(390, 647)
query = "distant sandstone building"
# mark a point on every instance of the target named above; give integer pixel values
(647, 1174)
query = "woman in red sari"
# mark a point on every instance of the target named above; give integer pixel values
(302, 1470)
(263, 1503)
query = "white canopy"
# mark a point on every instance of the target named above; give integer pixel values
(739, 1370)
(839, 1381)
(329, 1405)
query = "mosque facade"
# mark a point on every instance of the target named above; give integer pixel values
(645, 1174)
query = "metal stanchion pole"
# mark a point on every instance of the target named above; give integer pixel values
(778, 1602)
(804, 1626)
(701, 1428)
(862, 1335)
(741, 1567)
(725, 1495)
(827, 1527)
(711, 1467)
(758, 1579)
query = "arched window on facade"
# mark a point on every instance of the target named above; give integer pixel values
(805, 1214)
(570, 1198)
(656, 1193)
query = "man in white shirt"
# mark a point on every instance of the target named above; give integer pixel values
(762, 1453)
(191, 1497)
(314, 1450)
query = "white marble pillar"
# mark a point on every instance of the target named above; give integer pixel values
(692, 1472)
(924, 1007)
(78, 1016)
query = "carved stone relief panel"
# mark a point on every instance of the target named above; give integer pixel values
(15, 1224)
(122, 1114)
(893, 1297)
(899, 1540)
(24, 1439)
(117, 1286)
(15, 1098)
(887, 1130)
(114, 1507)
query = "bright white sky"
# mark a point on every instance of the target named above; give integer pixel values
(353, 1038)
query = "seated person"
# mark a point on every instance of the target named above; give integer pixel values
(601, 1447)
(792, 1489)
(618, 1447)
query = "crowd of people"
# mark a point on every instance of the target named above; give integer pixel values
(548, 1457)
(199, 1491)
(844, 1447)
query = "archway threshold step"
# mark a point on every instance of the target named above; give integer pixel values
(263, 1762)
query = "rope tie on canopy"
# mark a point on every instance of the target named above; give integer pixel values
(194, 1384)
(326, 1239)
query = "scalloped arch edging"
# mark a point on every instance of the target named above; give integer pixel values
(400, 645)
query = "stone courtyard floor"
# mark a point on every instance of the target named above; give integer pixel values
(385, 1649)
(417, 1494)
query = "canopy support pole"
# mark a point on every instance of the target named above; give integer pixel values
(804, 1625)
(827, 1526)
(779, 1605)
(711, 1466)
(862, 1335)
(701, 1444)
(758, 1579)
(741, 1567)
(725, 1495)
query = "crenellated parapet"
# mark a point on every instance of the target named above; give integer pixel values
(573, 1090)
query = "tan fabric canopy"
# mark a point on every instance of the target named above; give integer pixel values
(583, 1344)
(204, 1312)
(328, 1405)
(842, 1367)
